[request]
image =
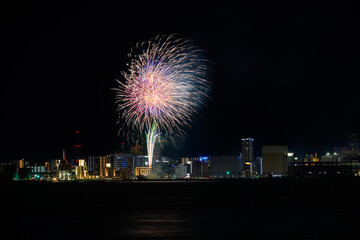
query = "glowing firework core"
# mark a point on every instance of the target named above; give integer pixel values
(165, 84)
(151, 94)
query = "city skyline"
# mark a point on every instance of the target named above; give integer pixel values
(280, 77)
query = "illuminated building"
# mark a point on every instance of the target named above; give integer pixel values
(274, 160)
(81, 170)
(37, 171)
(54, 163)
(329, 165)
(315, 159)
(137, 149)
(248, 170)
(141, 161)
(37, 168)
(311, 158)
(224, 166)
(64, 169)
(104, 160)
(47, 167)
(292, 157)
(257, 166)
(162, 168)
(113, 165)
(322, 169)
(181, 171)
(353, 141)
(23, 169)
(200, 167)
(22, 163)
(326, 158)
(185, 160)
(247, 149)
(93, 163)
(123, 164)
(158, 147)
(105, 167)
(335, 157)
(247, 157)
(142, 171)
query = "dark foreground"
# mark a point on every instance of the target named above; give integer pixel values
(291, 209)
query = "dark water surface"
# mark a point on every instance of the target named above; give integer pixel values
(291, 209)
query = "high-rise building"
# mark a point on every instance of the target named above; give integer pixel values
(181, 171)
(200, 167)
(81, 170)
(47, 167)
(123, 164)
(257, 166)
(141, 161)
(105, 167)
(93, 163)
(247, 154)
(22, 163)
(274, 160)
(54, 164)
(224, 166)
(353, 141)
(247, 149)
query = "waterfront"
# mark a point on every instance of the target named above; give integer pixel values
(285, 208)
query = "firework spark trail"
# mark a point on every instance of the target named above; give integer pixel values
(151, 137)
(165, 85)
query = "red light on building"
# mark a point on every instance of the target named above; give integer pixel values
(77, 131)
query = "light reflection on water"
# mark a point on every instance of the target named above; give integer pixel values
(158, 225)
(211, 210)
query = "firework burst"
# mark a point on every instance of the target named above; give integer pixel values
(165, 86)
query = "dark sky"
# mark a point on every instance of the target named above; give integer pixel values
(283, 73)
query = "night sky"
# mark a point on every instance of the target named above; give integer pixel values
(283, 73)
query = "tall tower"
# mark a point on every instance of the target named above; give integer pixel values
(247, 153)
(353, 141)
(64, 156)
(247, 149)
(78, 146)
